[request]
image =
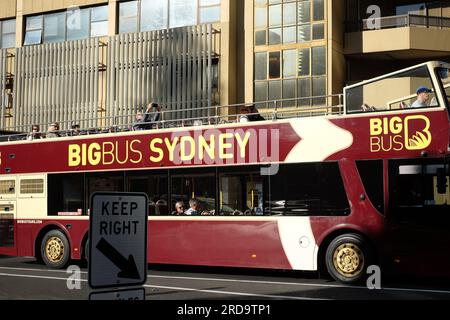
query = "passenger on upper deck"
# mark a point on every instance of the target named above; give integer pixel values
(145, 121)
(254, 114)
(423, 95)
(34, 134)
(75, 130)
(53, 130)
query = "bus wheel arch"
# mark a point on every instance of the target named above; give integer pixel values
(55, 241)
(342, 240)
(85, 247)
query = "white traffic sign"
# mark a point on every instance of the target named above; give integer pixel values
(118, 239)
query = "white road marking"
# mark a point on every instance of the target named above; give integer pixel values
(235, 293)
(319, 285)
(174, 288)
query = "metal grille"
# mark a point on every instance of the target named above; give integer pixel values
(31, 186)
(56, 82)
(172, 67)
(7, 186)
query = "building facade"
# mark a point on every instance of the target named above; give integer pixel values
(98, 62)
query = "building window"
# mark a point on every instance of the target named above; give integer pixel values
(8, 33)
(303, 72)
(149, 15)
(69, 25)
(288, 21)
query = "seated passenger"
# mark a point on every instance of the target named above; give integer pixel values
(34, 134)
(145, 121)
(243, 117)
(254, 114)
(53, 130)
(75, 130)
(194, 208)
(366, 108)
(423, 95)
(179, 209)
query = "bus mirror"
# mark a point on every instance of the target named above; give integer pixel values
(441, 181)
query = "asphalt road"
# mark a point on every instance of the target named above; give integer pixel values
(23, 278)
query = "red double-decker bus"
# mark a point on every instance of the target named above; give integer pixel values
(337, 192)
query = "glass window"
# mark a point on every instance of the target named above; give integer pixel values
(261, 66)
(55, 27)
(399, 92)
(155, 185)
(261, 91)
(303, 62)
(195, 185)
(34, 23)
(419, 191)
(66, 193)
(260, 38)
(260, 18)
(99, 13)
(154, 14)
(275, 16)
(304, 12)
(289, 34)
(304, 33)
(274, 90)
(33, 32)
(274, 65)
(104, 182)
(241, 192)
(318, 10)
(8, 40)
(99, 21)
(318, 31)
(182, 13)
(371, 173)
(7, 187)
(318, 61)
(275, 36)
(77, 24)
(31, 186)
(128, 16)
(99, 29)
(289, 63)
(289, 92)
(310, 189)
(209, 14)
(319, 89)
(304, 91)
(289, 13)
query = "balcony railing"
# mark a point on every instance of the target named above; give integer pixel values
(400, 21)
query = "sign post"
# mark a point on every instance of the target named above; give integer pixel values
(118, 240)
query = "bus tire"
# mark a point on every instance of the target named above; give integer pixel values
(347, 258)
(55, 249)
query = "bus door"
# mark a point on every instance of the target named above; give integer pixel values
(419, 215)
(7, 226)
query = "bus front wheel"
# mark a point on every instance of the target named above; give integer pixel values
(55, 250)
(347, 258)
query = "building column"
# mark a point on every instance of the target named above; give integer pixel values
(249, 50)
(112, 14)
(20, 20)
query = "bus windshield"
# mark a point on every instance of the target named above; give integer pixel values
(444, 78)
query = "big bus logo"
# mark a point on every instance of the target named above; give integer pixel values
(396, 134)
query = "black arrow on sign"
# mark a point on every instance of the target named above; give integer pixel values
(128, 267)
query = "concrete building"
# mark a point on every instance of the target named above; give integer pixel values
(97, 62)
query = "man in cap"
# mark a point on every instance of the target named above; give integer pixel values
(423, 96)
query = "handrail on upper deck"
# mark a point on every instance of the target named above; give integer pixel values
(270, 110)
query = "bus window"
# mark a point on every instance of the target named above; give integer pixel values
(200, 185)
(310, 189)
(393, 92)
(415, 190)
(241, 193)
(65, 193)
(156, 188)
(371, 173)
(104, 182)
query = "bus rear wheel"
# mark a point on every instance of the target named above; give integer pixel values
(55, 250)
(347, 258)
